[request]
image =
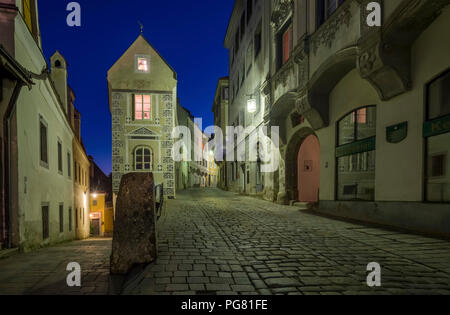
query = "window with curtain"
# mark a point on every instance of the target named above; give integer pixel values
(143, 64)
(143, 159)
(142, 107)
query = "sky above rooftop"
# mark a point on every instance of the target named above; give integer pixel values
(188, 34)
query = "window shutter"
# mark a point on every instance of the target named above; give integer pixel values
(133, 107)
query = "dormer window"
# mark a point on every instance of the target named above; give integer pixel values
(143, 64)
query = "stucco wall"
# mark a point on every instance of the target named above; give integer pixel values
(36, 184)
(160, 82)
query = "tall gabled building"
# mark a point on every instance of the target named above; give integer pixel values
(220, 110)
(142, 94)
(37, 174)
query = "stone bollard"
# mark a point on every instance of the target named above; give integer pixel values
(135, 240)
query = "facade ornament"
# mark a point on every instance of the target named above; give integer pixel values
(304, 108)
(326, 34)
(281, 13)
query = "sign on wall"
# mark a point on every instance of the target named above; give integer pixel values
(397, 133)
(365, 145)
(436, 127)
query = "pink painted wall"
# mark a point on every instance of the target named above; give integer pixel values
(309, 170)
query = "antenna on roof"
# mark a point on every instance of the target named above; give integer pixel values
(142, 27)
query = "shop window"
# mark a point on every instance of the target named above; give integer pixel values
(439, 97)
(437, 134)
(356, 155)
(438, 165)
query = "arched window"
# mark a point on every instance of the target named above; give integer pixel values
(355, 153)
(143, 159)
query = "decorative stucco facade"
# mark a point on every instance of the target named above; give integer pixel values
(142, 94)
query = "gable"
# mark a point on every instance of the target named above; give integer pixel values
(124, 75)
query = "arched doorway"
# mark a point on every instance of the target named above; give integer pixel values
(308, 166)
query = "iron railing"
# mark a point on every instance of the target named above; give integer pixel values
(159, 200)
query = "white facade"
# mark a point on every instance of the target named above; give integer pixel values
(38, 185)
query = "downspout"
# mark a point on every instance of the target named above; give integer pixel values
(6, 141)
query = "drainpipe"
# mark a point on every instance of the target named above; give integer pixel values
(6, 135)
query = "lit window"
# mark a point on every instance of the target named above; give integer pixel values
(143, 159)
(142, 64)
(287, 44)
(142, 107)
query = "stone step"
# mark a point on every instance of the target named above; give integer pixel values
(302, 205)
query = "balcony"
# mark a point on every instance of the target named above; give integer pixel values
(345, 42)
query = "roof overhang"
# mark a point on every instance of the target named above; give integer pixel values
(9, 65)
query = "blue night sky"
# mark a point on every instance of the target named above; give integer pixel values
(189, 34)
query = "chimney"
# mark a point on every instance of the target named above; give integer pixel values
(59, 78)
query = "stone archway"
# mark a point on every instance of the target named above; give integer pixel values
(291, 161)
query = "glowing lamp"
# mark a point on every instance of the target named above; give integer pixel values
(251, 105)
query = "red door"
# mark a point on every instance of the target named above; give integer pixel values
(309, 170)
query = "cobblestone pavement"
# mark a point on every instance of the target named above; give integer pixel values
(214, 242)
(43, 272)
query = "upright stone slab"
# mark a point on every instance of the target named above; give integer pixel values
(134, 239)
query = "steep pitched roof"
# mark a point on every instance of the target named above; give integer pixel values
(141, 36)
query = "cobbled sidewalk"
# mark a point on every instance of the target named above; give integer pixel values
(214, 243)
(43, 272)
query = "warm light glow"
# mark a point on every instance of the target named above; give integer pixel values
(94, 195)
(251, 105)
(143, 64)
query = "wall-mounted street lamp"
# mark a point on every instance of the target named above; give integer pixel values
(251, 105)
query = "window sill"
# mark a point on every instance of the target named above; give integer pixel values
(44, 165)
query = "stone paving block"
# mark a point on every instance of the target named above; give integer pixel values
(282, 282)
(176, 287)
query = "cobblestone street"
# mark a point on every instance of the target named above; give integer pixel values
(43, 272)
(214, 242)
